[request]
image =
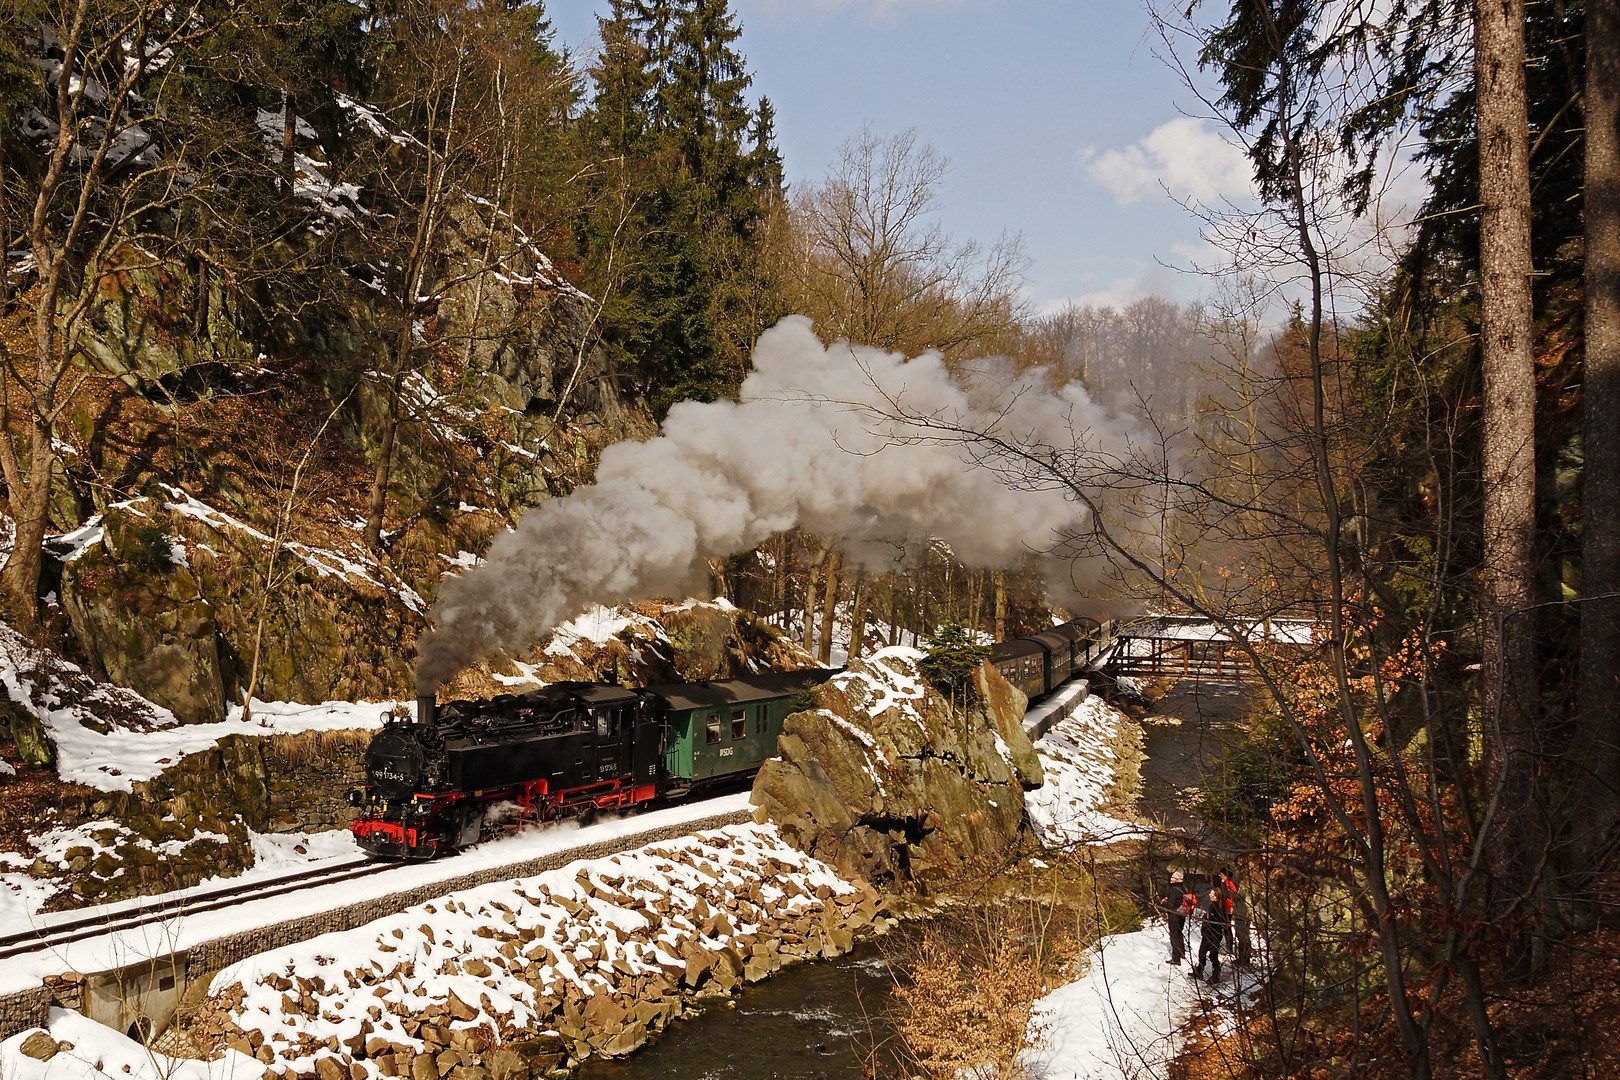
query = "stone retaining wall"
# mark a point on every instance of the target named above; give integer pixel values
(29, 1008)
(23, 1010)
(191, 822)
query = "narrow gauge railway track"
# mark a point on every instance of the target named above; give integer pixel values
(42, 938)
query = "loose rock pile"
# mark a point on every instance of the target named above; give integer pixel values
(530, 977)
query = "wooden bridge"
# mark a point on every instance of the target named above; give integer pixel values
(1192, 647)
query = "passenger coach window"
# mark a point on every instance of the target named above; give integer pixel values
(759, 720)
(714, 727)
(739, 723)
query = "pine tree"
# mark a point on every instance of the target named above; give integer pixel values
(671, 124)
(764, 159)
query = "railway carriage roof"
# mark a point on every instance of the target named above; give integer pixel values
(1006, 650)
(708, 695)
(1052, 640)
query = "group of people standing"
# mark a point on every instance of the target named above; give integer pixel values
(1209, 904)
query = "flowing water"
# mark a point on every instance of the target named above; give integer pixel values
(818, 1021)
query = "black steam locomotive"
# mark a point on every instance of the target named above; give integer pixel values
(453, 773)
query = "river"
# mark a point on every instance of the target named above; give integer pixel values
(818, 1021)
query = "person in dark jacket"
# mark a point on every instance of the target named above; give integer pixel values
(1177, 903)
(1216, 919)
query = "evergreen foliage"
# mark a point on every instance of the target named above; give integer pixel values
(951, 656)
(681, 197)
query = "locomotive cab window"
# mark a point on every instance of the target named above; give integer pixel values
(604, 724)
(739, 723)
(714, 727)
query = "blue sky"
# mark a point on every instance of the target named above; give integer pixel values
(1058, 118)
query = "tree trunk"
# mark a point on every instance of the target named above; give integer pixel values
(784, 598)
(1595, 751)
(812, 575)
(857, 614)
(1000, 579)
(829, 609)
(894, 609)
(925, 615)
(289, 133)
(975, 600)
(385, 464)
(1509, 668)
(30, 507)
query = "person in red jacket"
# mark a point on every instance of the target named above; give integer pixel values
(1217, 917)
(1237, 916)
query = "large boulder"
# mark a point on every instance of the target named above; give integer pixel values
(160, 637)
(888, 779)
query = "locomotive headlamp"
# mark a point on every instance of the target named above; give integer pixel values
(355, 797)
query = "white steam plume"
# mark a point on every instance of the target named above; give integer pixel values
(817, 438)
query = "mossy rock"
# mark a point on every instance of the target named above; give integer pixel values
(33, 742)
(883, 796)
(143, 621)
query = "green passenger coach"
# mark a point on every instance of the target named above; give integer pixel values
(716, 730)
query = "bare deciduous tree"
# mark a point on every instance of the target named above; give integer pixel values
(114, 166)
(870, 262)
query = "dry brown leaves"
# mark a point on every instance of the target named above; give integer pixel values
(1564, 1027)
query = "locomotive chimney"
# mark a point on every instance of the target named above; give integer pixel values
(427, 708)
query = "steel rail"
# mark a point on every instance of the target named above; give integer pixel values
(40, 939)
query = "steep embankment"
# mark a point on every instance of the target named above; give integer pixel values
(220, 438)
(530, 976)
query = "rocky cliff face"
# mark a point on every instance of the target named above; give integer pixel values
(215, 425)
(887, 779)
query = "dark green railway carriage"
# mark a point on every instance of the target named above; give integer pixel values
(715, 730)
(1058, 660)
(1022, 662)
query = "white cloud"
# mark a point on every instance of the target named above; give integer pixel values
(1182, 155)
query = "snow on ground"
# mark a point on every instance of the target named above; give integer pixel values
(1125, 1017)
(114, 758)
(1079, 762)
(595, 926)
(274, 853)
(107, 951)
(21, 893)
(597, 626)
(88, 1051)
(108, 737)
(1119, 1020)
